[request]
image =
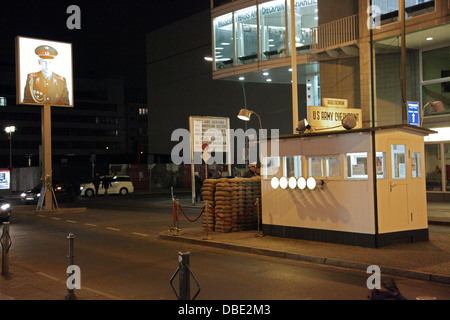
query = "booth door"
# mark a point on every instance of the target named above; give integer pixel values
(398, 183)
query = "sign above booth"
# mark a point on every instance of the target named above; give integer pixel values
(331, 118)
(335, 103)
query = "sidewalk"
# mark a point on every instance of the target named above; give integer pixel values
(422, 260)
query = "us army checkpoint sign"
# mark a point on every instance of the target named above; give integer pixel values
(44, 74)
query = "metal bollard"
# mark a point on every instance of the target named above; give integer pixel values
(185, 283)
(184, 280)
(259, 234)
(70, 292)
(176, 229)
(6, 242)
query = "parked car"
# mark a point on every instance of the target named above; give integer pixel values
(5, 211)
(64, 192)
(121, 185)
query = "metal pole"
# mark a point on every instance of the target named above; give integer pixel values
(6, 244)
(294, 70)
(403, 76)
(259, 234)
(10, 162)
(70, 292)
(185, 286)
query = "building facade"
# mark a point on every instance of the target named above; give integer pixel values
(352, 50)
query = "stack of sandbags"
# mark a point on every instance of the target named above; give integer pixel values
(208, 190)
(234, 202)
(222, 200)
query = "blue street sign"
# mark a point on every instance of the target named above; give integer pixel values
(413, 113)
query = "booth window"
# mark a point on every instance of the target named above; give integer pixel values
(416, 164)
(246, 35)
(381, 165)
(333, 166)
(271, 167)
(292, 166)
(315, 165)
(398, 161)
(272, 20)
(223, 41)
(357, 165)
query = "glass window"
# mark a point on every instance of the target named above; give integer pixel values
(272, 20)
(306, 18)
(292, 166)
(388, 9)
(380, 165)
(3, 101)
(357, 165)
(398, 161)
(246, 35)
(315, 167)
(415, 8)
(333, 166)
(436, 63)
(271, 167)
(223, 41)
(416, 164)
(433, 167)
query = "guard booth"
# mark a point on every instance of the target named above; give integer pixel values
(352, 197)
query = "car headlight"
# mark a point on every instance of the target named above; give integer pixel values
(23, 195)
(81, 188)
(5, 206)
(38, 195)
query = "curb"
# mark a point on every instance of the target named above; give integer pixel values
(312, 259)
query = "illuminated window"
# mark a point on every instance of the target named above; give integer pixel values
(333, 166)
(246, 29)
(272, 24)
(2, 101)
(271, 167)
(398, 161)
(315, 167)
(223, 41)
(381, 165)
(357, 165)
(416, 165)
(292, 166)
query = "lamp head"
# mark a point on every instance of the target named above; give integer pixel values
(303, 125)
(10, 129)
(436, 107)
(245, 114)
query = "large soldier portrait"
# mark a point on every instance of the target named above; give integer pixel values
(44, 72)
(45, 86)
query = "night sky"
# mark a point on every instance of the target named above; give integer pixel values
(111, 41)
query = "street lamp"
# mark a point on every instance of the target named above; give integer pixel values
(245, 115)
(9, 131)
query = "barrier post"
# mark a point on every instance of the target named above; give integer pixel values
(175, 228)
(70, 292)
(207, 237)
(185, 283)
(259, 234)
(6, 244)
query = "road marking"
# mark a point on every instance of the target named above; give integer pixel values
(90, 224)
(56, 218)
(140, 234)
(71, 221)
(113, 229)
(40, 215)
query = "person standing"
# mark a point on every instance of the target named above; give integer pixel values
(96, 183)
(198, 187)
(106, 184)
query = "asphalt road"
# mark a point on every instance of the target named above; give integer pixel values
(119, 254)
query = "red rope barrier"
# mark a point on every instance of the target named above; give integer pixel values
(188, 218)
(236, 221)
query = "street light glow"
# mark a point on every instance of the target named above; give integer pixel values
(10, 129)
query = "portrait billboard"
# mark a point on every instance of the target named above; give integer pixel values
(44, 73)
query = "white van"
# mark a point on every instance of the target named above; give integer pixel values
(119, 185)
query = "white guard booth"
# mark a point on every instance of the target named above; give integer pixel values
(357, 199)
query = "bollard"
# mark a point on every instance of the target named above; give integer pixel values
(259, 234)
(175, 230)
(6, 242)
(184, 280)
(70, 292)
(185, 283)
